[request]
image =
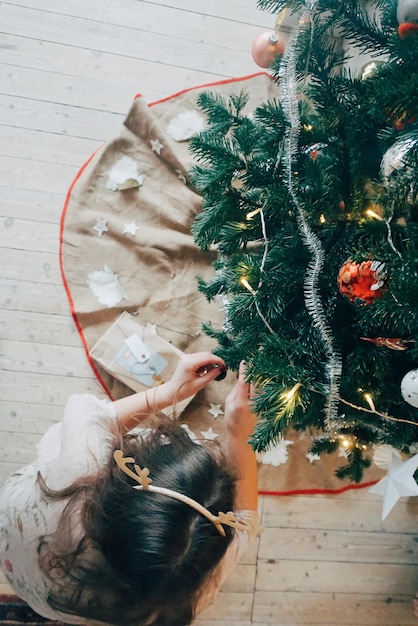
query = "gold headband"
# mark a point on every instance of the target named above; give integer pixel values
(141, 476)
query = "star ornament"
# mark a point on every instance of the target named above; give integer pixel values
(100, 226)
(215, 410)
(398, 482)
(130, 229)
(156, 146)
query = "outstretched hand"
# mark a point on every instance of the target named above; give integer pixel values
(194, 372)
(239, 417)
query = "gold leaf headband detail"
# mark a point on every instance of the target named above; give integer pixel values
(141, 476)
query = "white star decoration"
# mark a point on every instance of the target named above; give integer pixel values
(156, 146)
(398, 482)
(130, 229)
(277, 455)
(215, 410)
(209, 434)
(100, 226)
(312, 457)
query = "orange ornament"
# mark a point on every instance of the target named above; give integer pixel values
(266, 47)
(362, 283)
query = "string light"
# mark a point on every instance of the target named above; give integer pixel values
(322, 219)
(244, 282)
(288, 396)
(252, 214)
(376, 216)
(369, 401)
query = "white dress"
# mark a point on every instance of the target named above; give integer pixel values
(75, 447)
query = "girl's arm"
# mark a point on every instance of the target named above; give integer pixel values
(193, 373)
(240, 422)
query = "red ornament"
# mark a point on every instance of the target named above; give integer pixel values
(394, 343)
(362, 283)
(407, 16)
(266, 47)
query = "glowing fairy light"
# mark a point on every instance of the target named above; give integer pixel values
(374, 215)
(322, 219)
(252, 214)
(288, 396)
(369, 401)
(244, 282)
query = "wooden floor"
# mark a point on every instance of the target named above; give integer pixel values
(68, 73)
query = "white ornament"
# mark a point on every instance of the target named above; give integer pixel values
(124, 175)
(407, 11)
(394, 157)
(398, 483)
(215, 410)
(130, 229)
(185, 125)
(191, 434)
(106, 287)
(276, 455)
(382, 456)
(100, 226)
(156, 146)
(409, 388)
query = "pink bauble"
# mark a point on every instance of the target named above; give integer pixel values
(266, 47)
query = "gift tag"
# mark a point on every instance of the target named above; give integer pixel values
(138, 348)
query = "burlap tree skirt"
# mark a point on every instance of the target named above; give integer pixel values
(126, 246)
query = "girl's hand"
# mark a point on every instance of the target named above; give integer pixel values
(240, 422)
(194, 372)
(239, 418)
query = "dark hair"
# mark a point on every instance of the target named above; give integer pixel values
(143, 557)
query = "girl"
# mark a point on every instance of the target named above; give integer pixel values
(130, 527)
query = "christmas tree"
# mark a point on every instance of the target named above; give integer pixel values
(311, 203)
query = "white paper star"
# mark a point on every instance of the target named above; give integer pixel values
(106, 287)
(124, 175)
(157, 146)
(342, 452)
(398, 482)
(209, 434)
(130, 229)
(277, 455)
(191, 434)
(215, 410)
(312, 457)
(100, 226)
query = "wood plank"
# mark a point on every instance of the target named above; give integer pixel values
(33, 419)
(76, 31)
(336, 512)
(218, 24)
(39, 327)
(43, 358)
(230, 606)
(51, 177)
(141, 74)
(329, 609)
(69, 90)
(41, 266)
(45, 147)
(29, 235)
(42, 206)
(20, 295)
(334, 577)
(58, 118)
(338, 545)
